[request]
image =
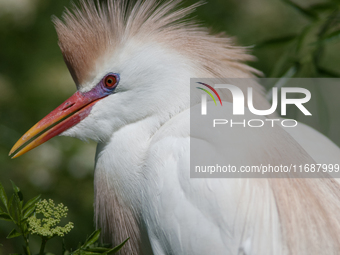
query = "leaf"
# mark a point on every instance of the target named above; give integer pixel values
(302, 37)
(118, 247)
(98, 249)
(282, 65)
(29, 211)
(326, 72)
(16, 208)
(89, 253)
(92, 238)
(308, 13)
(17, 191)
(322, 7)
(336, 1)
(275, 41)
(18, 201)
(5, 216)
(3, 196)
(331, 37)
(84, 252)
(10, 206)
(30, 202)
(13, 233)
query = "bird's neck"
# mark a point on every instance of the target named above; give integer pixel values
(120, 181)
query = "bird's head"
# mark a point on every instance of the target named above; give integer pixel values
(129, 66)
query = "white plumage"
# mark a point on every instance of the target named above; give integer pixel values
(143, 188)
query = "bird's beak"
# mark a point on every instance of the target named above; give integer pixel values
(69, 113)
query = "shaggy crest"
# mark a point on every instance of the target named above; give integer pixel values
(92, 30)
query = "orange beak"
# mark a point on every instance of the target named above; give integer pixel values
(65, 116)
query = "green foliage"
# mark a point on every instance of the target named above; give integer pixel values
(24, 217)
(90, 247)
(305, 50)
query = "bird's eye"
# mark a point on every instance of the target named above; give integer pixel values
(110, 81)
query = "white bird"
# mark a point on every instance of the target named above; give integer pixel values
(132, 65)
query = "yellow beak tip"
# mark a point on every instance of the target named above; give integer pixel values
(11, 152)
(11, 155)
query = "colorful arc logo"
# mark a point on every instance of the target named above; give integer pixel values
(209, 93)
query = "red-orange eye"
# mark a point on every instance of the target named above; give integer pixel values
(110, 81)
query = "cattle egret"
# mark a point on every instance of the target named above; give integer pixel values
(132, 66)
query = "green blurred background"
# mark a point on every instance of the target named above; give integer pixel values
(288, 41)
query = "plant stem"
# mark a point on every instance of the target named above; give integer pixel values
(43, 244)
(26, 239)
(28, 251)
